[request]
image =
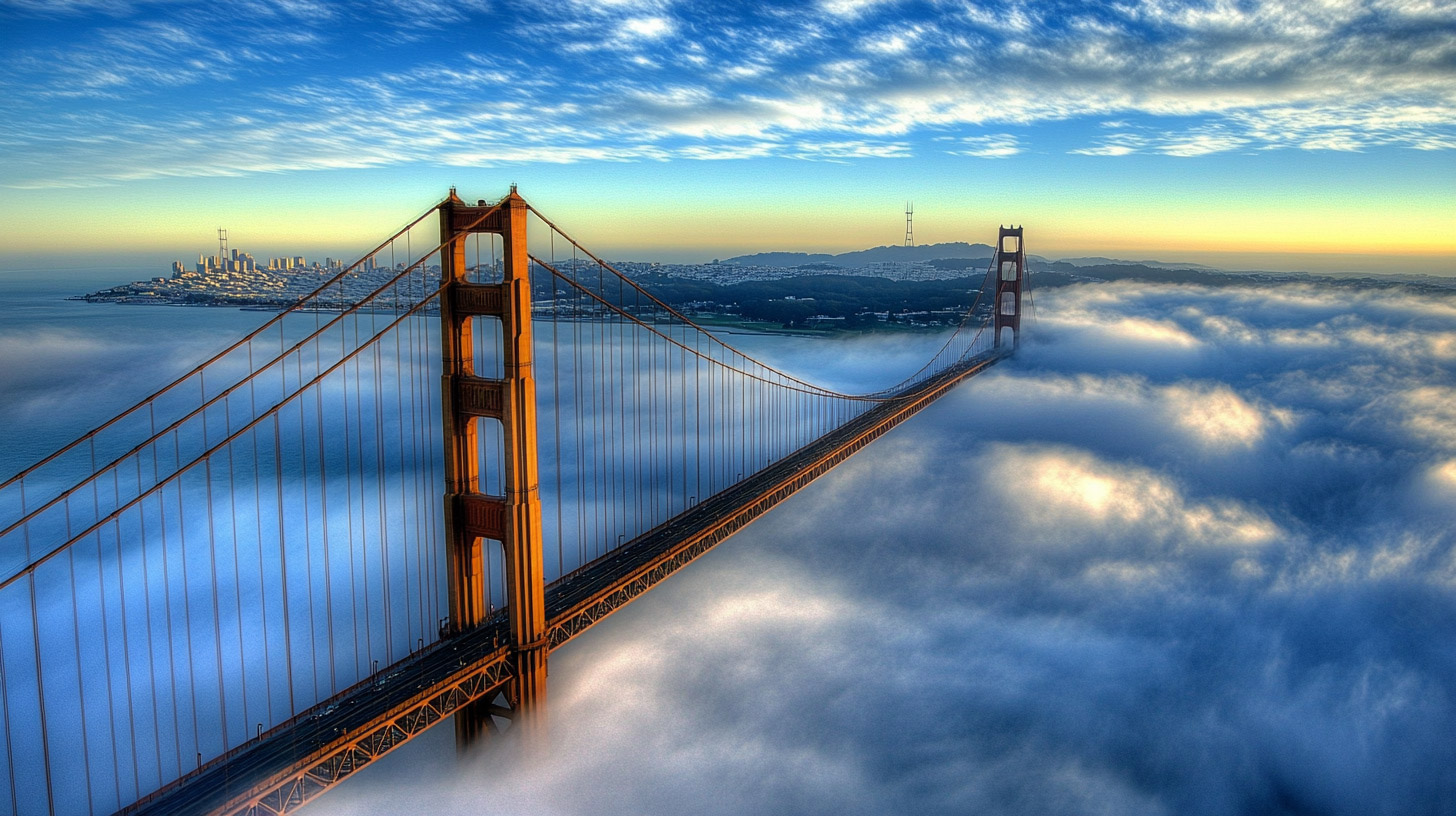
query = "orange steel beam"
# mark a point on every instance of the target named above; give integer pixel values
(348, 732)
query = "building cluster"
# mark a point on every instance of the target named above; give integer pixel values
(243, 263)
(238, 278)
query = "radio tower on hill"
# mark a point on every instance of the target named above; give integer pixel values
(909, 223)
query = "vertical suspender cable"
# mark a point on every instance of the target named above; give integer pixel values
(187, 612)
(80, 684)
(151, 661)
(258, 544)
(216, 602)
(556, 411)
(399, 415)
(380, 471)
(9, 736)
(348, 439)
(282, 563)
(318, 395)
(45, 746)
(106, 660)
(237, 580)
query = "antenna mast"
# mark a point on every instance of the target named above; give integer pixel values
(909, 223)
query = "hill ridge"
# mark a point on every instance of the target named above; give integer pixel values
(865, 257)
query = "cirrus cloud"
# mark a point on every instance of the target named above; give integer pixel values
(145, 91)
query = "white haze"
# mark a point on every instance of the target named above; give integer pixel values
(1190, 552)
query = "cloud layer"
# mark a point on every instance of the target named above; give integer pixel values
(1190, 552)
(104, 91)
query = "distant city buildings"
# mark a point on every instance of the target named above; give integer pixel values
(243, 263)
(233, 277)
(236, 278)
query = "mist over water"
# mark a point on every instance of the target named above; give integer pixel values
(66, 365)
(178, 669)
(1189, 552)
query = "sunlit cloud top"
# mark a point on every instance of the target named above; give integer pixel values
(101, 91)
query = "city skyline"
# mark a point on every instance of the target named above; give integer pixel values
(1238, 135)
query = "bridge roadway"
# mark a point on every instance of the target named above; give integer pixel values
(297, 760)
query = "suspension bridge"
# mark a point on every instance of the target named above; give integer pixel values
(384, 508)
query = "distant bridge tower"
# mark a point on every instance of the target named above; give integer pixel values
(514, 518)
(909, 223)
(1011, 271)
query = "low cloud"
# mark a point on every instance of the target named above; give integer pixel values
(1093, 579)
(50, 380)
(998, 146)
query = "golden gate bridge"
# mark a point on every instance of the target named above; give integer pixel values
(247, 586)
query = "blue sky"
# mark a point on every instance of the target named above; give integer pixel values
(1187, 129)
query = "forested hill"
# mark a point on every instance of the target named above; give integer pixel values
(858, 301)
(865, 257)
(809, 298)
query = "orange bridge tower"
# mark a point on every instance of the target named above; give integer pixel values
(509, 404)
(1010, 272)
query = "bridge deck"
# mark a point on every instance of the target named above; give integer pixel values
(297, 760)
